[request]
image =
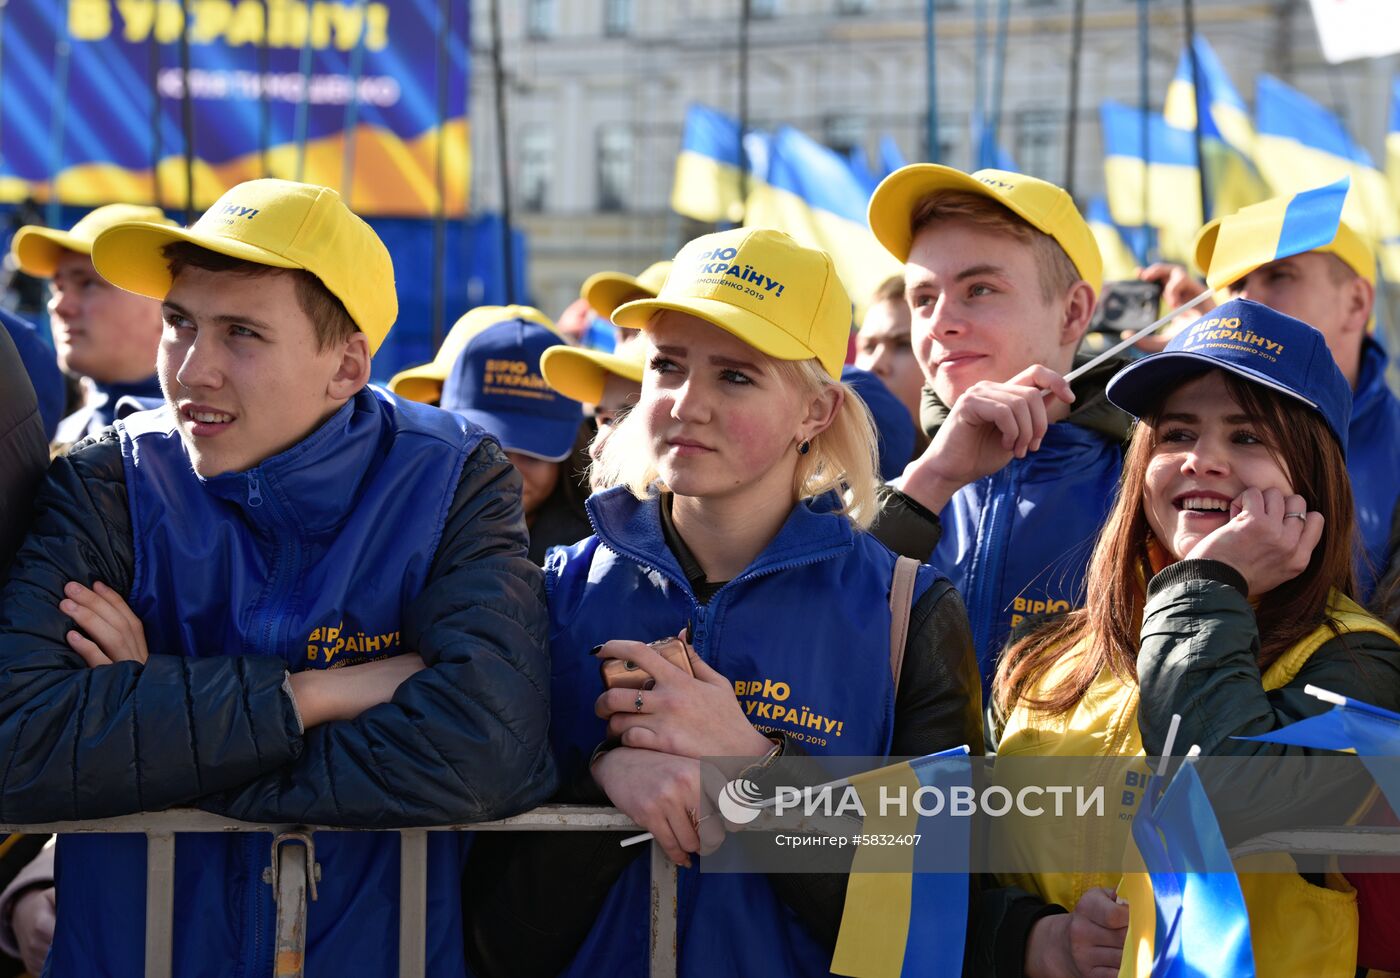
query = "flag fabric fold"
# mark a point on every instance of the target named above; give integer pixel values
(1300, 144)
(900, 919)
(1188, 916)
(1277, 228)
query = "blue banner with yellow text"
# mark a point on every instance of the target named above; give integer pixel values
(92, 96)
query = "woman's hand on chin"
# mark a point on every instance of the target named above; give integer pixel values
(692, 717)
(1269, 539)
(664, 794)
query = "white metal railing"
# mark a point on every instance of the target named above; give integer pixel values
(293, 874)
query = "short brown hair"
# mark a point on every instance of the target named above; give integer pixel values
(890, 290)
(1057, 272)
(326, 311)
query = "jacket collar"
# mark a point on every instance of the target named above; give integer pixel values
(1371, 388)
(312, 486)
(105, 396)
(631, 528)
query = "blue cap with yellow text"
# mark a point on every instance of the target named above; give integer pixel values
(496, 382)
(1251, 341)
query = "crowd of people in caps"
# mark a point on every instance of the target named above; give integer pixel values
(238, 576)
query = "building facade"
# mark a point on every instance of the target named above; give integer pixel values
(595, 92)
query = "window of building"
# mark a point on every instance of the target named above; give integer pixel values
(614, 167)
(763, 9)
(849, 7)
(617, 17)
(1039, 135)
(540, 18)
(536, 165)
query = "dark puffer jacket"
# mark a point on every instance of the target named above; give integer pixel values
(221, 731)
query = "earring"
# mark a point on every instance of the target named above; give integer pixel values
(803, 447)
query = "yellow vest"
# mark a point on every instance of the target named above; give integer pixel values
(1296, 929)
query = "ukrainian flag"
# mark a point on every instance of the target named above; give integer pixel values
(900, 918)
(810, 193)
(1187, 915)
(1392, 141)
(891, 158)
(1173, 198)
(1275, 229)
(1123, 249)
(1301, 144)
(1227, 134)
(709, 184)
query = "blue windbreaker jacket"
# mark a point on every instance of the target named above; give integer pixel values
(804, 629)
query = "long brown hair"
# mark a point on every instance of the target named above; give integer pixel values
(1116, 590)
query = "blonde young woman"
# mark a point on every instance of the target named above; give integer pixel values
(1218, 590)
(744, 479)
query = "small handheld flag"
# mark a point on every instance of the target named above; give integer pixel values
(1277, 228)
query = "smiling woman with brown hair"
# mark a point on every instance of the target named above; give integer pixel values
(1220, 587)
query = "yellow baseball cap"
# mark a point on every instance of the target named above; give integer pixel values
(269, 222)
(424, 383)
(605, 291)
(582, 374)
(761, 285)
(36, 249)
(1227, 269)
(1042, 205)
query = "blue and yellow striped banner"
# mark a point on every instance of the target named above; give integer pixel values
(1275, 229)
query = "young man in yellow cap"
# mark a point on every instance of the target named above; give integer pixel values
(285, 597)
(101, 333)
(1332, 289)
(1001, 274)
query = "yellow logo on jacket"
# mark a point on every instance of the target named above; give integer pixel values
(329, 645)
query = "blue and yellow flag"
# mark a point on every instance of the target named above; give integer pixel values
(1392, 140)
(1172, 193)
(1351, 725)
(901, 921)
(811, 193)
(1187, 911)
(1275, 229)
(709, 184)
(1123, 249)
(795, 185)
(1227, 134)
(891, 158)
(1301, 144)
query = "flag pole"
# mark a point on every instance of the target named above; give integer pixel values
(1144, 107)
(1072, 123)
(931, 69)
(745, 16)
(498, 74)
(1189, 16)
(998, 81)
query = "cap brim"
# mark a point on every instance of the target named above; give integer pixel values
(1141, 386)
(129, 255)
(422, 383)
(606, 291)
(753, 330)
(550, 439)
(581, 374)
(37, 249)
(894, 200)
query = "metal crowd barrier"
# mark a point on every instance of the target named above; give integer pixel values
(293, 873)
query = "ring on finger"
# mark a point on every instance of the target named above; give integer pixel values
(1295, 516)
(637, 703)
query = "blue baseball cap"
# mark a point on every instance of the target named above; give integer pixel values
(496, 382)
(1252, 341)
(893, 425)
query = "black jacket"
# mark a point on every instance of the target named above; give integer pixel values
(24, 452)
(72, 736)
